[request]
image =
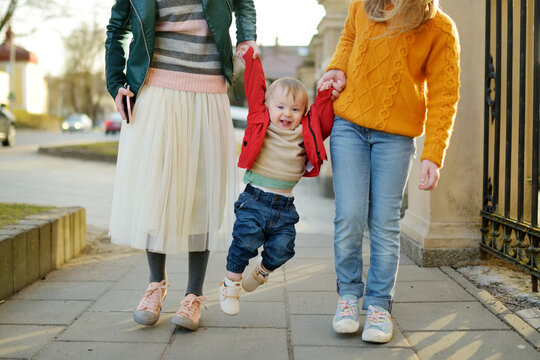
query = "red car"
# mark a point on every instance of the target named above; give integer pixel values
(113, 123)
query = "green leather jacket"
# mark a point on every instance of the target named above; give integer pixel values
(139, 18)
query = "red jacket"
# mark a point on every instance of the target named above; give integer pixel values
(316, 124)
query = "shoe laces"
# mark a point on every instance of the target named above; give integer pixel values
(153, 297)
(191, 306)
(347, 308)
(376, 318)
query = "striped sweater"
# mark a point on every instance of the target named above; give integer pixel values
(185, 55)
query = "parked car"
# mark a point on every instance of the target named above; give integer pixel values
(8, 130)
(239, 116)
(77, 122)
(113, 123)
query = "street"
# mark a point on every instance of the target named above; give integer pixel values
(29, 177)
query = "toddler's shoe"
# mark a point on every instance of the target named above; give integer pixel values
(378, 327)
(189, 314)
(229, 297)
(255, 276)
(346, 318)
(147, 312)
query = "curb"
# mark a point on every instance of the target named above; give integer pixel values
(529, 333)
(68, 151)
(39, 244)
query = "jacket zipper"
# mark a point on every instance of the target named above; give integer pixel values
(313, 135)
(142, 29)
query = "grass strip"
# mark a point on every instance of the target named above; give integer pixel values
(11, 213)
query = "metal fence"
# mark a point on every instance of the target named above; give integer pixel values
(510, 229)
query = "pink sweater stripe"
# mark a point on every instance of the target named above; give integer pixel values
(192, 27)
(186, 82)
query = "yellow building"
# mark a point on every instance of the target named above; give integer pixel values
(26, 88)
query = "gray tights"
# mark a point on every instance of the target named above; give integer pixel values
(197, 262)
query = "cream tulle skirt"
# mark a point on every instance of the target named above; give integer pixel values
(175, 176)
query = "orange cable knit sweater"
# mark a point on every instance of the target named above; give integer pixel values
(403, 83)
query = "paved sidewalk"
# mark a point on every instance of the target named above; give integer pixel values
(84, 310)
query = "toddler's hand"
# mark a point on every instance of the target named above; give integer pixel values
(338, 78)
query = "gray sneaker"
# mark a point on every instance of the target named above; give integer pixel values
(378, 327)
(346, 318)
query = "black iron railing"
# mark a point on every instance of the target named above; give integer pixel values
(510, 230)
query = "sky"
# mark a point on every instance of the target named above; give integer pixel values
(293, 22)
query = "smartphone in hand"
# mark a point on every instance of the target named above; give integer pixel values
(127, 106)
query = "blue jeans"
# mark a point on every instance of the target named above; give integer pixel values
(370, 170)
(262, 219)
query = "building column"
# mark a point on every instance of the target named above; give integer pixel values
(442, 227)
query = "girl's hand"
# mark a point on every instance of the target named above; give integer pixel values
(325, 85)
(338, 78)
(429, 175)
(119, 101)
(244, 46)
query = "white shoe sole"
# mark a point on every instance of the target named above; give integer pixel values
(376, 337)
(346, 326)
(184, 322)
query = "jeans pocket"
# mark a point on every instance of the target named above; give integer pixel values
(243, 199)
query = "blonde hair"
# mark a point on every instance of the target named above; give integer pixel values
(290, 85)
(404, 16)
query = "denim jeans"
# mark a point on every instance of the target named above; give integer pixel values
(262, 219)
(370, 170)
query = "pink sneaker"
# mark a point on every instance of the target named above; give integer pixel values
(190, 312)
(147, 312)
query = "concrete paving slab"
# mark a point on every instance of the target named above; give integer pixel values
(87, 272)
(311, 282)
(69, 350)
(313, 253)
(252, 315)
(229, 344)
(445, 317)
(140, 281)
(24, 341)
(117, 327)
(471, 345)
(272, 291)
(303, 266)
(316, 330)
(430, 291)
(412, 273)
(348, 353)
(312, 302)
(41, 312)
(59, 290)
(314, 240)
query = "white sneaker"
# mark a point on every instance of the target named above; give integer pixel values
(229, 298)
(346, 318)
(255, 276)
(378, 327)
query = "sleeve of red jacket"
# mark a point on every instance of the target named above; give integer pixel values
(254, 84)
(323, 110)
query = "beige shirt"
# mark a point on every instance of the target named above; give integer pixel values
(282, 156)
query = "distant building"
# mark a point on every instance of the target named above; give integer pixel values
(29, 91)
(279, 61)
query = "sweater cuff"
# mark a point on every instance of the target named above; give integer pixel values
(435, 154)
